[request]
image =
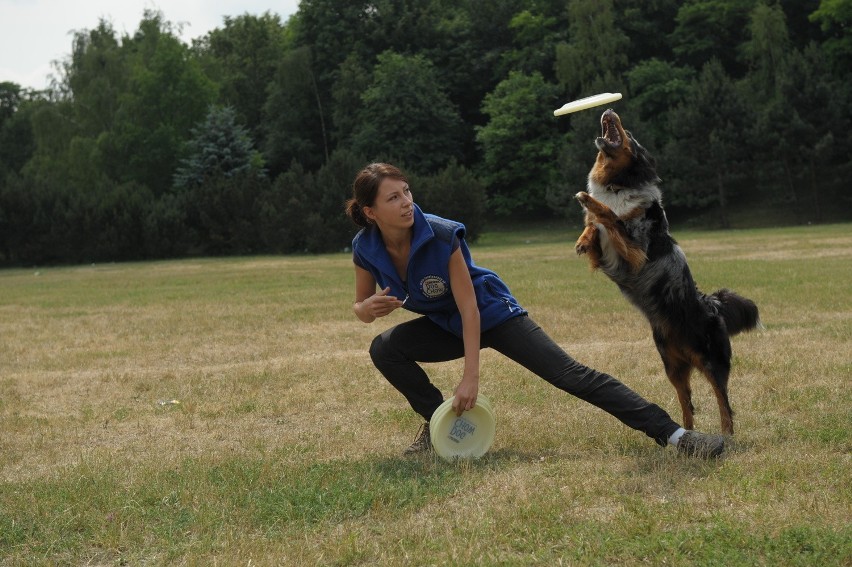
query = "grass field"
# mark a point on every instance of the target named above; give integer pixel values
(284, 448)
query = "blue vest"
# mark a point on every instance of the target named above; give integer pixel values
(426, 288)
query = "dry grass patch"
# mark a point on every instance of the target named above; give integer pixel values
(285, 446)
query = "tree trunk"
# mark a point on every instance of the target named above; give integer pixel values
(792, 187)
(319, 108)
(815, 191)
(723, 201)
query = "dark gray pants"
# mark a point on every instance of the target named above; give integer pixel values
(397, 351)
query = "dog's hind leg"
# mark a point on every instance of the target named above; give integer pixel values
(678, 371)
(715, 363)
(717, 374)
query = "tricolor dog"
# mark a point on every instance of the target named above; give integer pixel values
(627, 237)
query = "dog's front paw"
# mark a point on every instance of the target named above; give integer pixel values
(583, 197)
(586, 240)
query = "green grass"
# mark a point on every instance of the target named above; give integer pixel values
(285, 446)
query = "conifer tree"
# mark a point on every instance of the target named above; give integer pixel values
(219, 146)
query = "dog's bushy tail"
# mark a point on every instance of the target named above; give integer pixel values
(740, 314)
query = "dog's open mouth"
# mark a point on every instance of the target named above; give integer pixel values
(610, 138)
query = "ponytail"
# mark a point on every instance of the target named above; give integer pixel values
(356, 214)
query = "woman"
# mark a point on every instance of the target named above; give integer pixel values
(424, 260)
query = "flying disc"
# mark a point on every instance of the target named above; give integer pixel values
(468, 436)
(588, 102)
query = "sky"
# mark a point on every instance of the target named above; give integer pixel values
(34, 33)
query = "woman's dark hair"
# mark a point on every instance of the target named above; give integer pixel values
(366, 187)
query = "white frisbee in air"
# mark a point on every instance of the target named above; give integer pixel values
(588, 102)
(468, 436)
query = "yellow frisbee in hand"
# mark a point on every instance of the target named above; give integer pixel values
(468, 436)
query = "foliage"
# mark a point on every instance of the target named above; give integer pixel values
(294, 117)
(518, 142)
(535, 36)
(355, 77)
(16, 135)
(707, 164)
(596, 52)
(655, 87)
(455, 193)
(304, 212)
(406, 115)
(710, 29)
(96, 74)
(745, 104)
(835, 20)
(153, 122)
(243, 58)
(219, 147)
(221, 212)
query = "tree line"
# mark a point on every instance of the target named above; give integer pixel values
(247, 139)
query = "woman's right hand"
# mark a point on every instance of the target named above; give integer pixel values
(380, 304)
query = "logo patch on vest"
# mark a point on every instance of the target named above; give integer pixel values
(433, 286)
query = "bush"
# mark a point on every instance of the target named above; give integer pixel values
(222, 212)
(454, 193)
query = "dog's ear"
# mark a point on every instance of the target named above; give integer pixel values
(642, 157)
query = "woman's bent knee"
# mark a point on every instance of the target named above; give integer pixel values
(377, 348)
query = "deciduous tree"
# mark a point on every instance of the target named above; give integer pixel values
(243, 57)
(167, 95)
(705, 150)
(519, 143)
(407, 116)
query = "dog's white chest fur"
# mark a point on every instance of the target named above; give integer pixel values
(624, 200)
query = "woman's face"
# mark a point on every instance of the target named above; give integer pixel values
(394, 205)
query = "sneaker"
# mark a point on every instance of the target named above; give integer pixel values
(704, 445)
(423, 442)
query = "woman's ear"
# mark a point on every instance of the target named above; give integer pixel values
(369, 214)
